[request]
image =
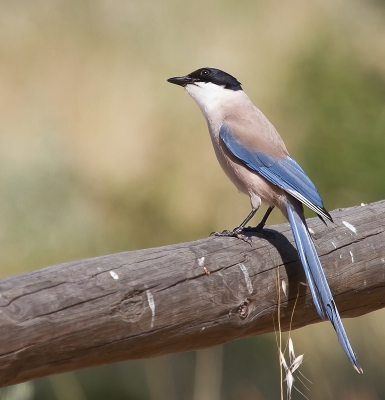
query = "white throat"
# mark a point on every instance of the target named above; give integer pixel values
(210, 97)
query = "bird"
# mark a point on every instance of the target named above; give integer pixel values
(254, 157)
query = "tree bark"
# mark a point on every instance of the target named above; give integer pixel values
(188, 296)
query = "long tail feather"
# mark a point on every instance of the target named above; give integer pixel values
(316, 278)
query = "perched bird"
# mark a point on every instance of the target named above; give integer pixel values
(254, 157)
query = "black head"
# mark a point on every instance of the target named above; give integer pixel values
(212, 75)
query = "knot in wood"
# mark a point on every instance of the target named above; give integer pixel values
(243, 309)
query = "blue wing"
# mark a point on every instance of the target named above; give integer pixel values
(284, 173)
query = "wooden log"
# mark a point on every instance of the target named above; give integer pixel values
(187, 296)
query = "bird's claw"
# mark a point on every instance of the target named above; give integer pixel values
(237, 233)
(224, 233)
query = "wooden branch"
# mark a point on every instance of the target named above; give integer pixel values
(188, 296)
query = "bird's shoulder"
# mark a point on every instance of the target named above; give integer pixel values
(254, 131)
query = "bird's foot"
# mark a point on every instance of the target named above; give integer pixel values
(237, 233)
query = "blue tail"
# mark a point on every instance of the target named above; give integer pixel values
(316, 278)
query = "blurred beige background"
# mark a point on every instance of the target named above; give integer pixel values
(99, 154)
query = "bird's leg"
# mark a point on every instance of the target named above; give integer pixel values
(237, 231)
(261, 225)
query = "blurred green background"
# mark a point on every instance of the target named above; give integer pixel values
(99, 154)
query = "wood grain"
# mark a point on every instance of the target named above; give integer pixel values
(187, 296)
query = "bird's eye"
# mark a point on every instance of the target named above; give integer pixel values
(205, 72)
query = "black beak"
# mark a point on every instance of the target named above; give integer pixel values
(181, 80)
